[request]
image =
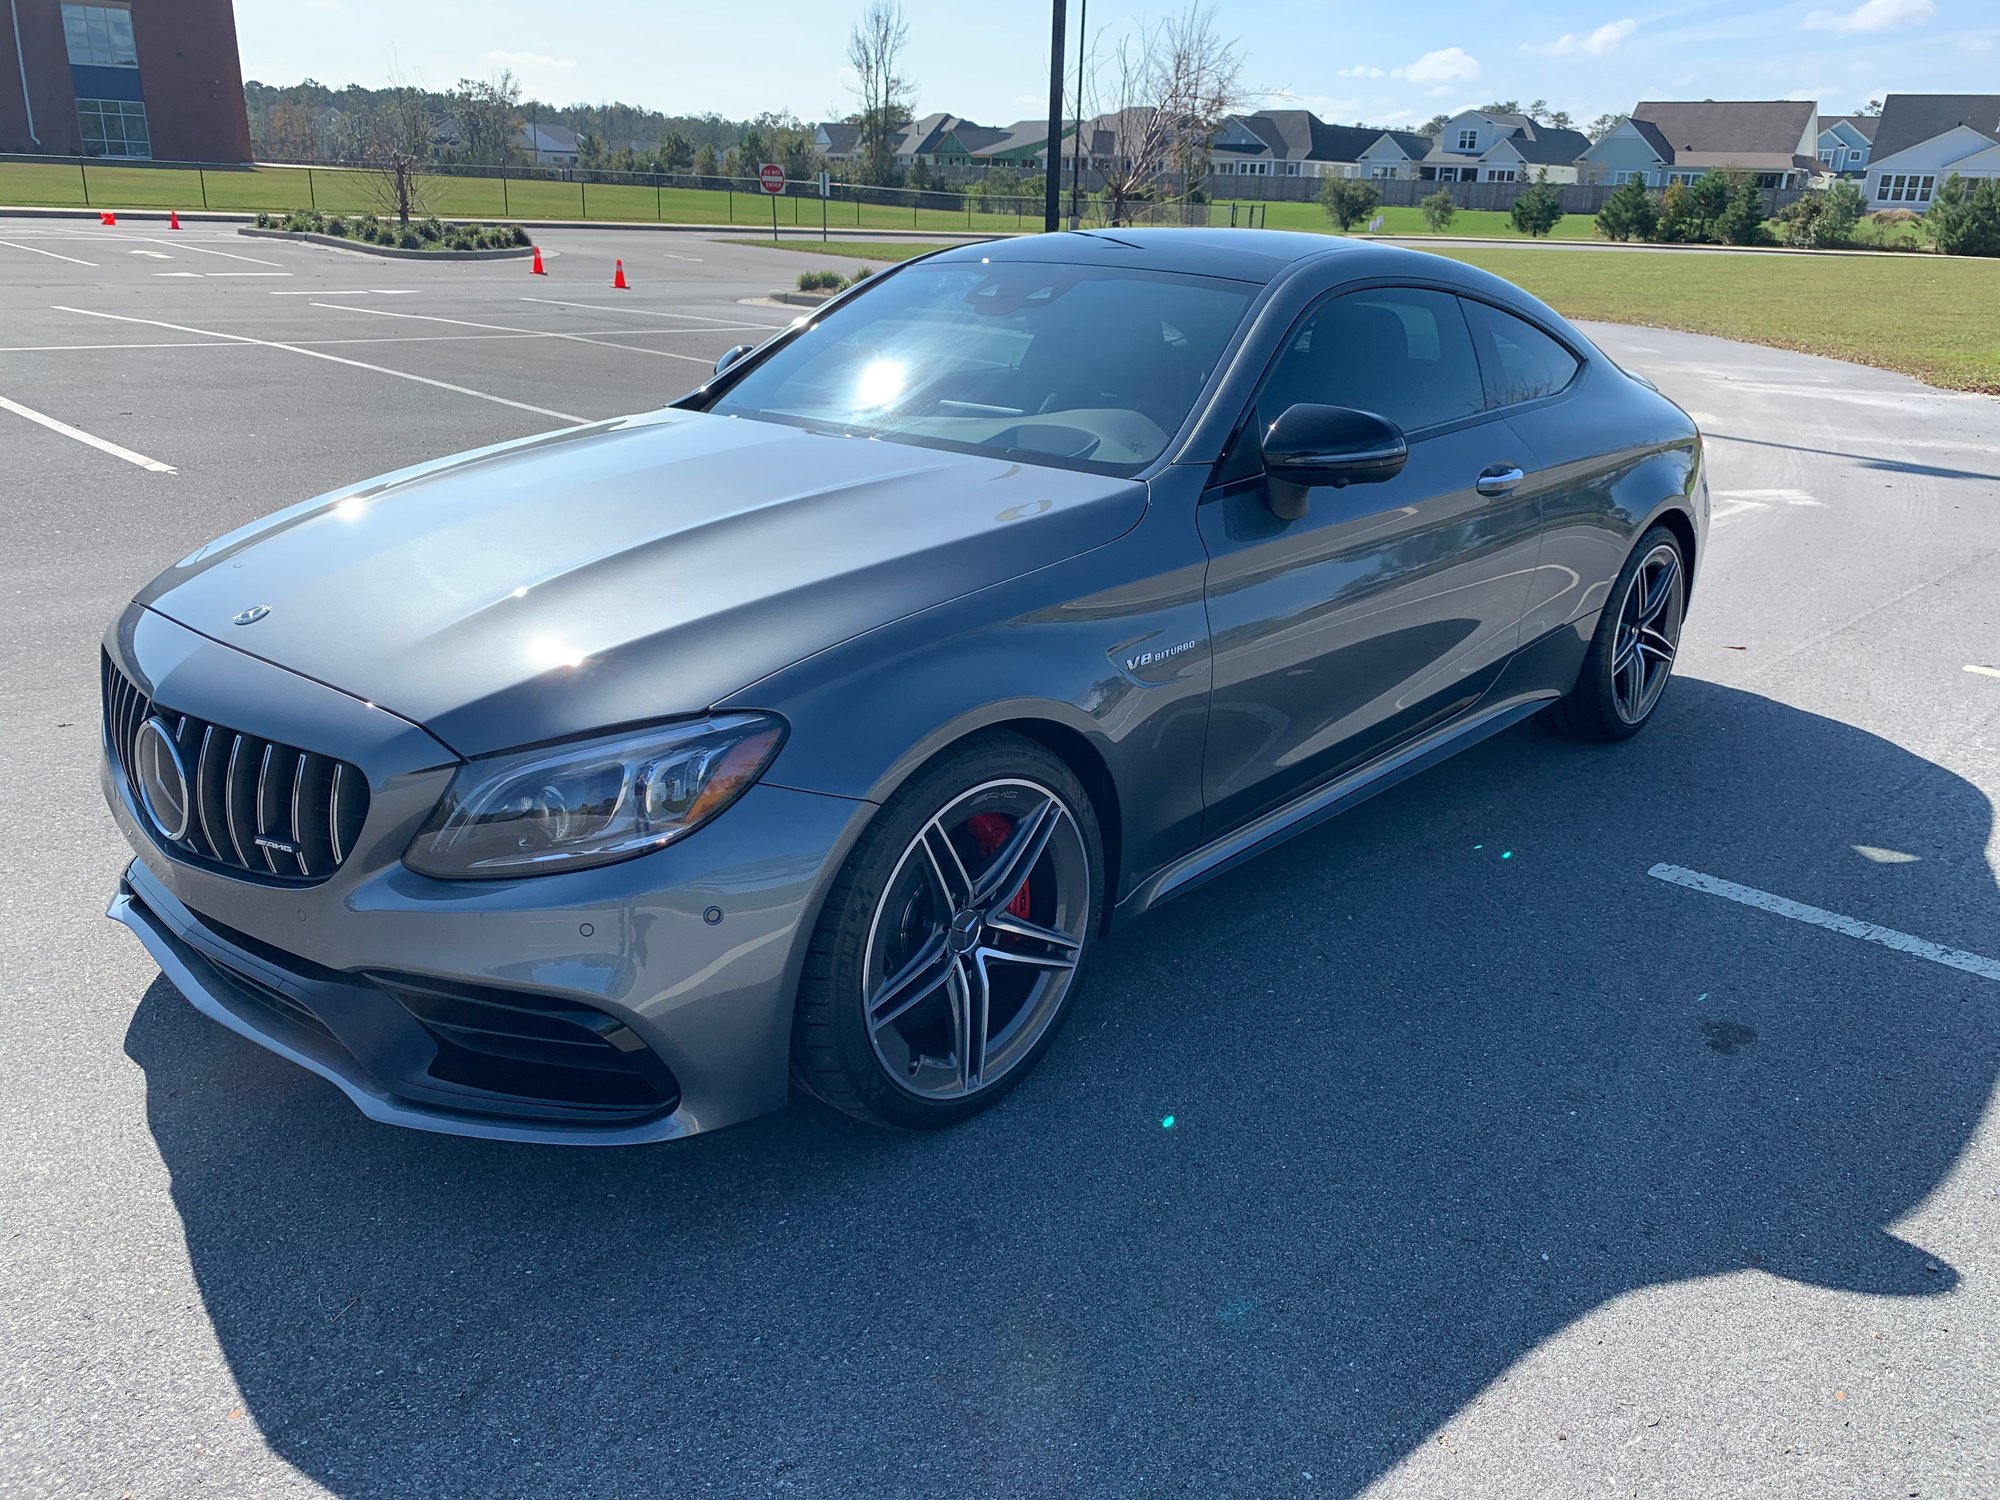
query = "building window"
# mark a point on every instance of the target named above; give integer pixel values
(1901, 187)
(1291, 169)
(114, 127)
(1499, 174)
(1468, 140)
(99, 36)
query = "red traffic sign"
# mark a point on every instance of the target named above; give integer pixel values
(771, 177)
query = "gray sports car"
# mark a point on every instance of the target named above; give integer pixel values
(593, 788)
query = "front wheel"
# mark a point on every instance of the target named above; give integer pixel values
(1631, 656)
(950, 945)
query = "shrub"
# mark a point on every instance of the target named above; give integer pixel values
(1708, 201)
(409, 239)
(335, 224)
(821, 281)
(1844, 207)
(266, 221)
(430, 229)
(860, 276)
(1964, 217)
(1347, 201)
(1539, 208)
(1677, 223)
(1742, 219)
(1628, 214)
(1439, 210)
(519, 235)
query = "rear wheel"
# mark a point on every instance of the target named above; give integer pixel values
(949, 947)
(1631, 657)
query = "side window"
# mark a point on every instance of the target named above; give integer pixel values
(1519, 361)
(1399, 352)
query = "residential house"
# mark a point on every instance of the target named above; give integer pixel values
(1845, 141)
(1774, 140)
(1290, 143)
(1393, 154)
(1477, 146)
(837, 140)
(945, 141)
(547, 145)
(1925, 138)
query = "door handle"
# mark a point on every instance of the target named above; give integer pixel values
(1498, 481)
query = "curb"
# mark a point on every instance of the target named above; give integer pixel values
(789, 232)
(804, 299)
(394, 252)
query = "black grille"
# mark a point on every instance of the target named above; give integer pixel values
(537, 1048)
(257, 807)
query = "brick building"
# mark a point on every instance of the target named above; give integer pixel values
(131, 79)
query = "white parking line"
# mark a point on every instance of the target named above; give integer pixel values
(1982, 671)
(102, 446)
(1868, 932)
(443, 385)
(647, 312)
(575, 338)
(225, 254)
(37, 250)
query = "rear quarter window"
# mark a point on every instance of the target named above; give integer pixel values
(1517, 361)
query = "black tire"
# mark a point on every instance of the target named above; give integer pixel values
(834, 1054)
(1592, 710)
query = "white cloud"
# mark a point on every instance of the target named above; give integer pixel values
(1362, 70)
(1605, 39)
(540, 61)
(1872, 15)
(1446, 66)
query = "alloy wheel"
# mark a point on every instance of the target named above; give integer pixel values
(974, 943)
(1649, 634)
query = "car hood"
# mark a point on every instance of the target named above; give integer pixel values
(625, 571)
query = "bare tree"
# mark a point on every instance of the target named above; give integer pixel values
(401, 142)
(874, 50)
(1171, 83)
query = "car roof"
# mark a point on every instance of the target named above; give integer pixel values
(1239, 254)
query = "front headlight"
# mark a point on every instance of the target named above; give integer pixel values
(565, 807)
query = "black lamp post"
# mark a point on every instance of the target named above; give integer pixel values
(1052, 147)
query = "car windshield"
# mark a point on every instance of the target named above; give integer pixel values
(1082, 367)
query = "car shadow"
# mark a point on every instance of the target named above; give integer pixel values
(1328, 1146)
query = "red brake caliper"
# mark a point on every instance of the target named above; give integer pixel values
(989, 831)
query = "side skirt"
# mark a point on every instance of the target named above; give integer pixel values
(1321, 803)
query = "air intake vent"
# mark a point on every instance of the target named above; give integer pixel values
(243, 804)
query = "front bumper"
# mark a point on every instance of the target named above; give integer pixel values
(682, 963)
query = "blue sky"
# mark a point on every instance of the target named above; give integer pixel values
(1386, 64)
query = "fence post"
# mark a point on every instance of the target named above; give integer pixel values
(202, 174)
(659, 212)
(84, 177)
(506, 206)
(583, 198)
(729, 187)
(312, 194)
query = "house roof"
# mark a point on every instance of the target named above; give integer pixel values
(1301, 135)
(841, 135)
(1022, 135)
(1908, 119)
(547, 137)
(1650, 134)
(1730, 130)
(1547, 147)
(1413, 146)
(1865, 125)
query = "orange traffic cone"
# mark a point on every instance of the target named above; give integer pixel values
(537, 269)
(618, 283)
(105, 216)
(173, 219)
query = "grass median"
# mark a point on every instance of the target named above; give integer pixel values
(1932, 316)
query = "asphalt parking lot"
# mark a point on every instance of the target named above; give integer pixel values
(1501, 1165)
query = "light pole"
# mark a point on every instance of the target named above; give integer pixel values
(1052, 147)
(1076, 147)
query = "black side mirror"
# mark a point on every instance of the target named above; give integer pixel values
(1327, 445)
(730, 356)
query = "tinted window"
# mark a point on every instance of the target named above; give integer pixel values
(1401, 353)
(1520, 361)
(1079, 366)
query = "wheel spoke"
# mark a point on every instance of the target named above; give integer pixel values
(1001, 881)
(1034, 932)
(967, 984)
(915, 982)
(947, 869)
(1658, 593)
(1061, 962)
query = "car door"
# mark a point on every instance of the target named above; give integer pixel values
(1387, 608)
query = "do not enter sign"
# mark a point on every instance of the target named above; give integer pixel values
(771, 177)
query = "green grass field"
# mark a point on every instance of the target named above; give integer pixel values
(1932, 316)
(248, 189)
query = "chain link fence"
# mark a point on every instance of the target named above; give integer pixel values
(510, 193)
